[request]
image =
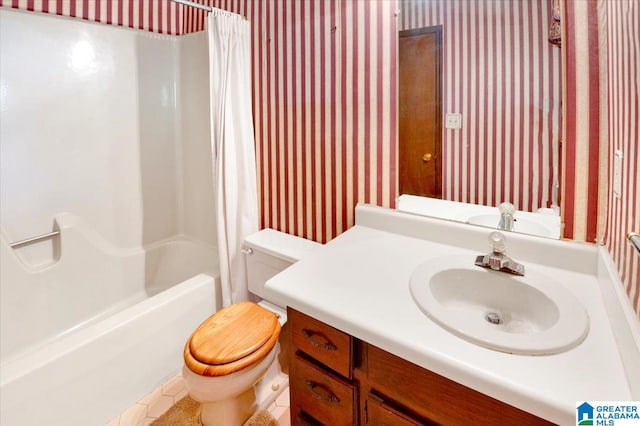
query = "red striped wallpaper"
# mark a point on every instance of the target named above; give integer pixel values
(324, 108)
(159, 16)
(501, 73)
(623, 103)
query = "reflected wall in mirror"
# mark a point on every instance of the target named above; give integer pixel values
(502, 75)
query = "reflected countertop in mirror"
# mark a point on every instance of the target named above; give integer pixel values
(543, 223)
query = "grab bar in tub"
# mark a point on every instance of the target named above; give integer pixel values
(33, 239)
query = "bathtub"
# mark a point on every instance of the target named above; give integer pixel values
(111, 330)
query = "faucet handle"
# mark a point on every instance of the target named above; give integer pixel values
(507, 208)
(498, 242)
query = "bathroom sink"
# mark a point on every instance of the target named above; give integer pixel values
(521, 225)
(530, 315)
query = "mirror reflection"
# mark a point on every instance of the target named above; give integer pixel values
(479, 111)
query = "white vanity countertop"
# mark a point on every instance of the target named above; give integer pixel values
(359, 283)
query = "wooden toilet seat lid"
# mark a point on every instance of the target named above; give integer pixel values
(231, 339)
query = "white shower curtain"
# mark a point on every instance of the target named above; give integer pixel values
(232, 145)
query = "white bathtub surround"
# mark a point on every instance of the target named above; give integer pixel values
(370, 266)
(543, 223)
(91, 280)
(110, 145)
(115, 132)
(233, 146)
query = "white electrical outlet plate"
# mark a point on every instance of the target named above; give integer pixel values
(453, 120)
(617, 173)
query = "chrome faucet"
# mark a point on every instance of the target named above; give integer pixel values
(507, 210)
(497, 259)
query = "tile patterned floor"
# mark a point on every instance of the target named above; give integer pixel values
(161, 399)
(280, 409)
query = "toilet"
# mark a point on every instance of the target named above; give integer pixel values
(231, 360)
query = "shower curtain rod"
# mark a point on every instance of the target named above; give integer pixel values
(204, 7)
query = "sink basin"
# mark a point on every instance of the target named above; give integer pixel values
(530, 315)
(524, 226)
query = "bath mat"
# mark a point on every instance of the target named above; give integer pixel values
(261, 418)
(186, 412)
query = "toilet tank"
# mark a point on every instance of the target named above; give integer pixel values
(271, 252)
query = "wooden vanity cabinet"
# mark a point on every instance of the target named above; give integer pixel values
(338, 380)
(426, 397)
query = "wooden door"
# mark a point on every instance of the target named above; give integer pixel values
(420, 124)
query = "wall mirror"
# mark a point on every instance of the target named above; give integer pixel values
(480, 81)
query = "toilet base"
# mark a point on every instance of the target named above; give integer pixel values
(221, 404)
(228, 412)
(236, 410)
(270, 386)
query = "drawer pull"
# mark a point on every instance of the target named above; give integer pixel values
(321, 392)
(319, 340)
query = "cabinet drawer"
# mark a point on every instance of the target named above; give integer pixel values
(322, 342)
(435, 397)
(380, 414)
(321, 395)
(300, 418)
